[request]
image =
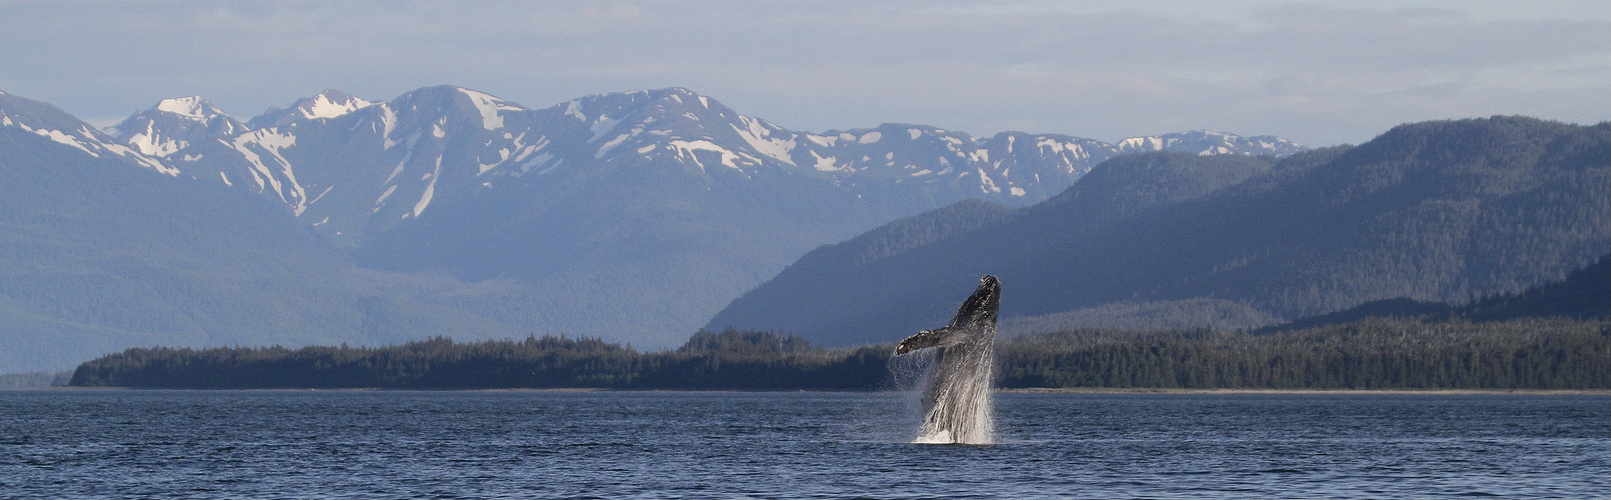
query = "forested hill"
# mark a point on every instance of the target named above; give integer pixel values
(1370, 354)
(826, 292)
(1584, 294)
(1433, 211)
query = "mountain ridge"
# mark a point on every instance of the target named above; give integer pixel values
(757, 142)
(100, 255)
(1440, 210)
(631, 216)
(588, 198)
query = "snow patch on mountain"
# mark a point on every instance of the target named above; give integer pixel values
(88, 140)
(1142, 144)
(172, 125)
(687, 149)
(64, 138)
(408, 152)
(759, 135)
(323, 107)
(430, 189)
(824, 164)
(329, 104)
(150, 143)
(604, 125)
(190, 107)
(388, 120)
(986, 184)
(254, 146)
(538, 161)
(503, 156)
(382, 199)
(490, 108)
(1207, 142)
(605, 149)
(826, 141)
(574, 109)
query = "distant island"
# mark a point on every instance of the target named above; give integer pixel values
(1373, 353)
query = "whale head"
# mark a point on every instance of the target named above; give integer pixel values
(975, 321)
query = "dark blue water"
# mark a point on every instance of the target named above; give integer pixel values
(69, 443)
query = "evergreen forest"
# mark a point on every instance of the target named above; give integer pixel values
(1373, 353)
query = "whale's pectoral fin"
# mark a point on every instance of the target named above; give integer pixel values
(943, 337)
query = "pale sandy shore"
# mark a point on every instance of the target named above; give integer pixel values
(1427, 392)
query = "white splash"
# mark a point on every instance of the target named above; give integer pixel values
(958, 397)
(956, 401)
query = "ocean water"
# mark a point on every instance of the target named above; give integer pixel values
(353, 444)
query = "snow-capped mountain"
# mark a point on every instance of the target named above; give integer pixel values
(354, 168)
(328, 104)
(351, 168)
(52, 123)
(103, 248)
(1206, 142)
(174, 124)
(636, 215)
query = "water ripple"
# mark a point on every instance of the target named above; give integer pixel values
(299, 444)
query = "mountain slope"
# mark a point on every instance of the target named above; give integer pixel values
(174, 124)
(1584, 294)
(848, 300)
(100, 252)
(355, 168)
(330, 103)
(633, 216)
(1432, 211)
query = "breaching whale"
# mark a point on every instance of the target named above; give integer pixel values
(956, 403)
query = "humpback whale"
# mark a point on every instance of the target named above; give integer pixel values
(956, 403)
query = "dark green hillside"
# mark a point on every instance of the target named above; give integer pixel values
(1584, 294)
(1386, 308)
(97, 255)
(1370, 354)
(833, 297)
(1435, 211)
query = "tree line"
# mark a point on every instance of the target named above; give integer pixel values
(1375, 353)
(726, 360)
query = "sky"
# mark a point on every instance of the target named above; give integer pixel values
(1320, 73)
